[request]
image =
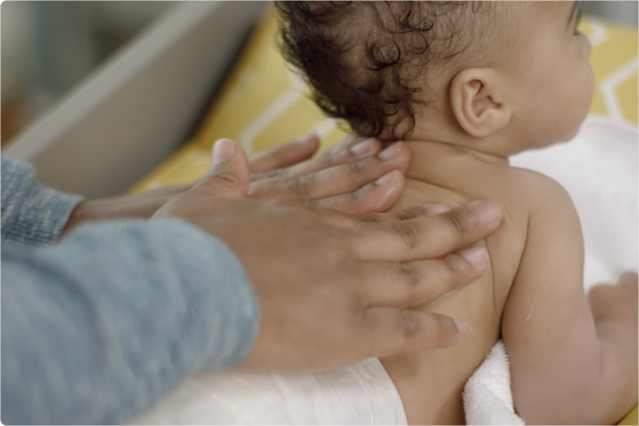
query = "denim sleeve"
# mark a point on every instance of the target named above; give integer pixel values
(97, 328)
(32, 213)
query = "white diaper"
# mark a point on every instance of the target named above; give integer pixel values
(361, 394)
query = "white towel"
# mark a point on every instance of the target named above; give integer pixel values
(598, 168)
(488, 398)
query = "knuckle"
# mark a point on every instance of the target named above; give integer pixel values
(459, 224)
(410, 273)
(406, 232)
(357, 166)
(401, 216)
(228, 180)
(300, 185)
(273, 174)
(454, 264)
(329, 157)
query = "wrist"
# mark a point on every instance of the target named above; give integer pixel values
(77, 216)
(96, 210)
(141, 206)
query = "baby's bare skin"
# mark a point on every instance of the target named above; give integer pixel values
(566, 367)
(431, 382)
(517, 79)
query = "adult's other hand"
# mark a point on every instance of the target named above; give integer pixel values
(335, 288)
(355, 175)
(352, 176)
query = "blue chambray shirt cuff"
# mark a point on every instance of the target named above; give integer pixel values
(42, 216)
(32, 213)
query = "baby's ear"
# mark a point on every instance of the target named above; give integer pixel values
(477, 103)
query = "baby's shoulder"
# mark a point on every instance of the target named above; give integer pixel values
(535, 183)
(539, 192)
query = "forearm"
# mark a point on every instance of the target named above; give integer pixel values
(99, 327)
(599, 373)
(583, 375)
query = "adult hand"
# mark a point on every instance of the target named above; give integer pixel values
(347, 177)
(335, 288)
(355, 175)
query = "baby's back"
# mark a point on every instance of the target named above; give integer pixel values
(431, 382)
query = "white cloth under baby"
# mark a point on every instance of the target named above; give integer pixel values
(488, 398)
(598, 168)
(361, 394)
(599, 171)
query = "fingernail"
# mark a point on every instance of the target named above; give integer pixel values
(391, 152)
(363, 148)
(223, 150)
(435, 209)
(487, 212)
(476, 256)
(463, 326)
(386, 179)
(307, 139)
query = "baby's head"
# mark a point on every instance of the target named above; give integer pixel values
(498, 76)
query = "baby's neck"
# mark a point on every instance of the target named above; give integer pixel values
(427, 154)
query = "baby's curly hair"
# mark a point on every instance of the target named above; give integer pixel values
(365, 60)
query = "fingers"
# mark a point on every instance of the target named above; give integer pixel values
(374, 197)
(393, 331)
(228, 175)
(285, 155)
(335, 157)
(401, 215)
(412, 284)
(346, 180)
(426, 237)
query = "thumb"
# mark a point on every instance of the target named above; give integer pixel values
(229, 173)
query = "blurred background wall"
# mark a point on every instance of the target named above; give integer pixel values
(48, 47)
(622, 12)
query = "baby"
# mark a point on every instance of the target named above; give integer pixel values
(467, 85)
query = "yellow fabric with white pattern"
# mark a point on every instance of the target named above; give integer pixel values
(263, 104)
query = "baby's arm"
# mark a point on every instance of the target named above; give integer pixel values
(566, 366)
